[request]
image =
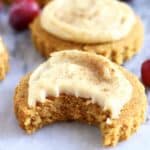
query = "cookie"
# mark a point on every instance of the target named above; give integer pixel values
(4, 64)
(118, 50)
(73, 104)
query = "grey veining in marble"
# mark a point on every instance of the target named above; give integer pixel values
(62, 136)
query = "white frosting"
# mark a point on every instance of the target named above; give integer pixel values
(88, 21)
(2, 47)
(83, 75)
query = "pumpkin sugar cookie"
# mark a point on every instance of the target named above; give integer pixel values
(90, 89)
(88, 26)
(4, 66)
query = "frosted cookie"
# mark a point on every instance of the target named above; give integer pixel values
(3, 60)
(106, 27)
(81, 86)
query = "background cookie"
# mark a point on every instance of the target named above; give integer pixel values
(118, 51)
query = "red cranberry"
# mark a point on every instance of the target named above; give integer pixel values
(146, 73)
(22, 13)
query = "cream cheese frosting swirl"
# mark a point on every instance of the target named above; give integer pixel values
(80, 74)
(88, 21)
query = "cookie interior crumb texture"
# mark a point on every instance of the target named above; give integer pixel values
(68, 107)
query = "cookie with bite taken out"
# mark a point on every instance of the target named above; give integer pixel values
(85, 87)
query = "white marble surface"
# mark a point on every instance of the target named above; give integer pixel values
(62, 136)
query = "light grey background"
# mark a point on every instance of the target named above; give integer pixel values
(62, 136)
